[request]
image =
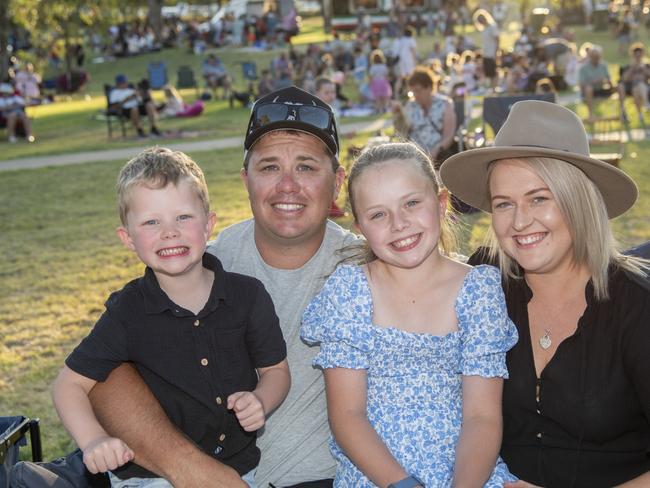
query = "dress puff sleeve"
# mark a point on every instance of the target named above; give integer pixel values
(486, 331)
(339, 318)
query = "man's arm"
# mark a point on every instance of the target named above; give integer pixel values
(127, 409)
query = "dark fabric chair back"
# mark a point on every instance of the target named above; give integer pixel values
(496, 109)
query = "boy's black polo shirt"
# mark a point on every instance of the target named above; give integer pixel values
(190, 362)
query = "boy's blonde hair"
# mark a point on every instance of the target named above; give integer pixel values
(406, 152)
(156, 167)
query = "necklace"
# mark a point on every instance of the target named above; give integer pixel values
(545, 341)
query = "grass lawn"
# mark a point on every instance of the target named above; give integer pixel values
(62, 259)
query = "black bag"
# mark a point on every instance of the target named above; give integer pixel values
(65, 472)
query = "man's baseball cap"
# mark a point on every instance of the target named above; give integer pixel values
(119, 79)
(294, 109)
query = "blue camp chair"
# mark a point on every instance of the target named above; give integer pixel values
(249, 70)
(13, 432)
(157, 72)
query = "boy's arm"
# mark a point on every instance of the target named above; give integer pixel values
(252, 408)
(127, 409)
(346, 409)
(480, 435)
(273, 385)
(70, 396)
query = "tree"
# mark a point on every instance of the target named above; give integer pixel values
(4, 37)
(155, 17)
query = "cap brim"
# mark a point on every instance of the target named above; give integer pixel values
(465, 175)
(291, 125)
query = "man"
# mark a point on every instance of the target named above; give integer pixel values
(292, 175)
(594, 80)
(127, 99)
(215, 76)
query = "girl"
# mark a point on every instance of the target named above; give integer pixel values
(408, 333)
(379, 84)
(175, 107)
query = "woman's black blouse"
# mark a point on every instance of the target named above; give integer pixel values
(589, 424)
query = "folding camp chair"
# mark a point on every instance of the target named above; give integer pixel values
(113, 114)
(496, 109)
(606, 134)
(186, 79)
(157, 72)
(13, 431)
(249, 70)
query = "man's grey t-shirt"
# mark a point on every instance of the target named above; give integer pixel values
(294, 439)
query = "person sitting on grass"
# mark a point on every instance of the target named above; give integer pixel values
(126, 98)
(199, 336)
(175, 106)
(12, 110)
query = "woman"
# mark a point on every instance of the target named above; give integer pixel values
(577, 404)
(429, 118)
(489, 30)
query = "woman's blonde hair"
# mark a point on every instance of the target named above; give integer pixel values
(585, 214)
(406, 152)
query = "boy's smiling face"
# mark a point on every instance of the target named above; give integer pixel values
(167, 228)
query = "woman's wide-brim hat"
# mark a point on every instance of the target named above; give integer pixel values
(537, 129)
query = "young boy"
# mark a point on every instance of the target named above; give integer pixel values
(198, 335)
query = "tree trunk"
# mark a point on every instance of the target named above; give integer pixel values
(327, 14)
(4, 38)
(155, 18)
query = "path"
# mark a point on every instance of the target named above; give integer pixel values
(214, 144)
(188, 147)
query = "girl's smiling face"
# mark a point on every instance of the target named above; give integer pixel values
(399, 212)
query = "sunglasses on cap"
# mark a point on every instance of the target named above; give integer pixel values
(315, 119)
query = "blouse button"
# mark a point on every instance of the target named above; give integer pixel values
(539, 435)
(222, 437)
(538, 412)
(196, 323)
(204, 362)
(219, 401)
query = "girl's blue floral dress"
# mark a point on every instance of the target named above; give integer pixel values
(414, 380)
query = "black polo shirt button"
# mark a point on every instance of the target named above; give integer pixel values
(222, 437)
(539, 435)
(196, 323)
(538, 412)
(219, 401)
(204, 362)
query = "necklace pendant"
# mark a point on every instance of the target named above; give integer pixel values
(545, 340)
